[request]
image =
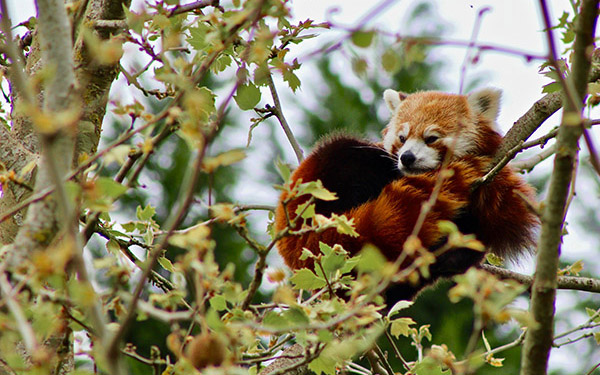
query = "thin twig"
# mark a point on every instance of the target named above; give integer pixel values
(498, 167)
(179, 9)
(23, 325)
(256, 279)
(284, 124)
(517, 342)
(467, 59)
(587, 325)
(527, 165)
(593, 369)
(396, 350)
(187, 191)
(592, 149)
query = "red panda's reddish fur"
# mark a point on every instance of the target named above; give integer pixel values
(498, 214)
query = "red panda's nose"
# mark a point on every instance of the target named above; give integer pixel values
(408, 158)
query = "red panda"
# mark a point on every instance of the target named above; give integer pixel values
(383, 186)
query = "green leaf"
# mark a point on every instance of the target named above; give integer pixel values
(325, 336)
(401, 327)
(292, 80)
(344, 225)
(247, 96)
(275, 320)
(307, 280)
(261, 75)
(400, 305)
(222, 160)
(430, 367)
(317, 190)
(283, 169)
(323, 365)
(296, 316)
(221, 63)
(198, 36)
(306, 254)
(568, 36)
(109, 187)
(551, 87)
(146, 213)
(113, 246)
(129, 227)
(333, 262)
(166, 264)
(494, 259)
(390, 61)
(591, 313)
(214, 321)
(371, 259)
(359, 65)
(593, 88)
(307, 210)
(325, 249)
(218, 303)
(362, 38)
(135, 21)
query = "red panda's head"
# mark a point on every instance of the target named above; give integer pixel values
(426, 125)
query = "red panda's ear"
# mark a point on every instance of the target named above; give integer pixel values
(393, 98)
(486, 102)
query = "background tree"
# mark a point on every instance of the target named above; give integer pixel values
(175, 263)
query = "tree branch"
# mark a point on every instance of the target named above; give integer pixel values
(284, 124)
(528, 164)
(585, 284)
(537, 114)
(538, 340)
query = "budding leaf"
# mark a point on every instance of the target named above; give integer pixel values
(146, 213)
(401, 327)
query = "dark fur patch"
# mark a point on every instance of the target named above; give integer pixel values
(356, 170)
(484, 103)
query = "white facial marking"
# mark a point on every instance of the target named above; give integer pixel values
(432, 131)
(426, 158)
(391, 137)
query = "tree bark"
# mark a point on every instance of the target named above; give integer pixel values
(91, 81)
(538, 341)
(77, 88)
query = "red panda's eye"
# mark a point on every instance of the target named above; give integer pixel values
(429, 140)
(402, 138)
